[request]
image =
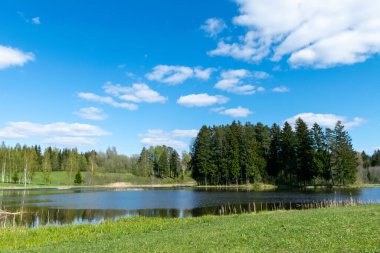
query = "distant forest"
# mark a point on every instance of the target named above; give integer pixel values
(220, 155)
(19, 163)
(243, 154)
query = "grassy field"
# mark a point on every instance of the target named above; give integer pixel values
(61, 178)
(345, 229)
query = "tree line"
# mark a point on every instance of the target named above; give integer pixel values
(243, 154)
(19, 163)
(371, 161)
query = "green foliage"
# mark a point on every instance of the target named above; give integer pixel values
(288, 160)
(201, 164)
(78, 178)
(175, 164)
(375, 158)
(274, 156)
(47, 165)
(304, 153)
(145, 164)
(345, 229)
(242, 154)
(163, 164)
(344, 160)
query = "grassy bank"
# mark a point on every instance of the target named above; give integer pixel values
(345, 229)
(61, 178)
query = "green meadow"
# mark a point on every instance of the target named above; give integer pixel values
(344, 229)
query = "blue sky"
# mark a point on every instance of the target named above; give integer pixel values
(133, 73)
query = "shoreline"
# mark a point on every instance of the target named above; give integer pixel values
(126, 185)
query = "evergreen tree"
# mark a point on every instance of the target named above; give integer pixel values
(78, 178)
(175, 164)
(233, 153)
(274, 155)
(344, 160)
(163, 164)
(322, 158)
(201, 156)
(366, 160)
(304, 152)
(253, 163)
(375, 158)
(288, 153)
(145, 165)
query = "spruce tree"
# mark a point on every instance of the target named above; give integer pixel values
(201, 156)
(175, 164)
(274, 155)
(288, 153)
(322, 158)
(343, 156)
(163, 164)
(233, 152)
(304, 152)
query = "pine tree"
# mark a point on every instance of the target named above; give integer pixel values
(219, 167)
(175, 164)
(343, 156)
(78, 178)
(145, 165)
(304, 152)
(163, 164)
(288, 153)
(274, 155)
(253, 163)
(233, 152)
(322, 158)
(201, 156)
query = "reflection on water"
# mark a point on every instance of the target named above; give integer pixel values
(60, 207)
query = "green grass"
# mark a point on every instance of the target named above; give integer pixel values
(345, 229)
(61, 178)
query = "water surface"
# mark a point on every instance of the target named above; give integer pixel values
(59, 207)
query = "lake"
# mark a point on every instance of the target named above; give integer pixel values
(91, 205)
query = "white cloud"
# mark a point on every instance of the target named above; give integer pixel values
(249, 48)
(176, 138)
(91, 113)
(260, 89)
(203, 74)
(217, 109)
(70, 142)
(213, 26)
(238, 112)
(138, 92)
(199, 100)
(234, 81)
(177, 74)
(55, 133)
(106, 100)
(36, 20)
(326, 120)
(13, 57)
(280, 89)
(307, 33)
(185, 133)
